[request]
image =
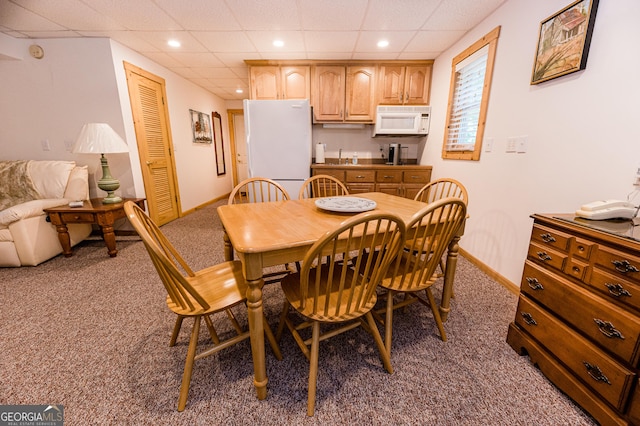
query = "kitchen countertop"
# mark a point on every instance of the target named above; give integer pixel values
(365, 166)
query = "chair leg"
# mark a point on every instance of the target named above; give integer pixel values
(384, 353)
(388, 322)
(212, 330)
(436, 314)
(272, 340)
(313, 369)
(176, 330)
(281, 324)
(188, 365)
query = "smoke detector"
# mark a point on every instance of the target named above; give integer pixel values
(36, 51)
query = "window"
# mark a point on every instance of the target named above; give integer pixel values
(471, 73)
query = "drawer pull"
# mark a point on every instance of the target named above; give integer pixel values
(388, 177)
(616, 290)
(528, 318)
(608, 329)
(359, 177)
(548, 238)
(543, 256)
(414, 177)
(534, 283)
(595, 373)
(624, 266)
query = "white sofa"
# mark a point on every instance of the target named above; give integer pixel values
(26, 188)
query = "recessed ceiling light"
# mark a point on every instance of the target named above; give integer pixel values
(239, 90)
(278, 43)
(383, 43)
(173, 43)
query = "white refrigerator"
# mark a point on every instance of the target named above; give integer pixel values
(278, 136)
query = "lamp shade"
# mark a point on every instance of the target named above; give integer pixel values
(99, 138)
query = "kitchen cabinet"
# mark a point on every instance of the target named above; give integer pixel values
(578, 314)
(280, 82)
(343, 93)
(400, 84)
(404, 181)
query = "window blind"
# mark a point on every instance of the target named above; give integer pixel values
(467, 98)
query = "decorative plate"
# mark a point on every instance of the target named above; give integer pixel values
(346, 204)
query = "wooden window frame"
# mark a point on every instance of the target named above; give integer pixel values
(490, 39)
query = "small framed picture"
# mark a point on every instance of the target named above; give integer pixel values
(201, 127)
(563, 42)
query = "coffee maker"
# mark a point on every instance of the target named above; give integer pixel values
(394, 154)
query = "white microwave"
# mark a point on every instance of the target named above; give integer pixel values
(402, 120)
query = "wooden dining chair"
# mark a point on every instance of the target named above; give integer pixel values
(413, 272)
(196, 294)
(439, 189)
(329, 291)
(258, 190)
(322, 186)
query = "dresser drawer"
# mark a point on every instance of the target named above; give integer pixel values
(611, 380)
(611, 328)
(550, 237)
(357, 176)
(615, 288)
(634, 406)
(547, 256)
(581, 248)
(620, 264)
(416, 176)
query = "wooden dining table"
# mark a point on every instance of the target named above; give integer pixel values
(281, 232)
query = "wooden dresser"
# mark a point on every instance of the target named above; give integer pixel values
(404, 181)
(578, 315)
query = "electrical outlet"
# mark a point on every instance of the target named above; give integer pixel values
(45, 145)
(521, 145)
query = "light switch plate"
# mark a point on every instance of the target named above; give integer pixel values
(512, 143)
(522, 144)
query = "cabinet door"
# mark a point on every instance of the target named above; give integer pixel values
(265, 82)
(360, 93)
(416, 84)
(390, 188)
(296, 82)
(328, 93)
(391, 84)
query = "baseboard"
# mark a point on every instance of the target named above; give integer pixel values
(208, 203)
(515, 289)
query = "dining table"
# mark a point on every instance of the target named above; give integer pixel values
(281, 232)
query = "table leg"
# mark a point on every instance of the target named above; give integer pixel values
(228, 248)
(449, 274)
(65, 240)
(109, 239)
(253, 274)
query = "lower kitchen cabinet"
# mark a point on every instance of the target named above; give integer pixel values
(578, 314)
(404, 181)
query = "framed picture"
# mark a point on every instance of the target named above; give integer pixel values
(563, 42)
(201, 127)
(219, 144)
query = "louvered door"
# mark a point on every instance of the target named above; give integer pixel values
(150, 116)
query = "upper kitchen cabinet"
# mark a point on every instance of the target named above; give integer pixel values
(404, 84)
(280, 82)
(344, 93)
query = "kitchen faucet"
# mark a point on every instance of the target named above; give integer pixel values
(339, 155)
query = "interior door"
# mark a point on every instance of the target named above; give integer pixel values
(238, 145)
(151, 121)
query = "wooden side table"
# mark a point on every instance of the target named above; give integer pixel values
(93, 212)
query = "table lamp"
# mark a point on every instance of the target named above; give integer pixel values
(100, 138)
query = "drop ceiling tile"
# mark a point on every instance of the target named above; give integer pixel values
(71, 14)
(164, 59)
(330, 55)
(159, 39)
(236, 59)
(281, 15)
(263, 40)
(200, 15)
(330, 41)
(398, 15)
(51, 34)
(388, 56)
(409, 56)
(187, 73)
(461, 14)
(433, 40)
(397, 41)
(197, 59)
(20, 19)
(336, 15)
(129, 39)
(215, 72)
(225, 41)
(139, 15)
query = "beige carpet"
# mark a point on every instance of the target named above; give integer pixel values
(91, 332)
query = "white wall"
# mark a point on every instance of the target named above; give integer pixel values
(583, 137)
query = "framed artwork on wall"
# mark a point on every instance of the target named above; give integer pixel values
(219, 144)
(201, 127)
(563, 42)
